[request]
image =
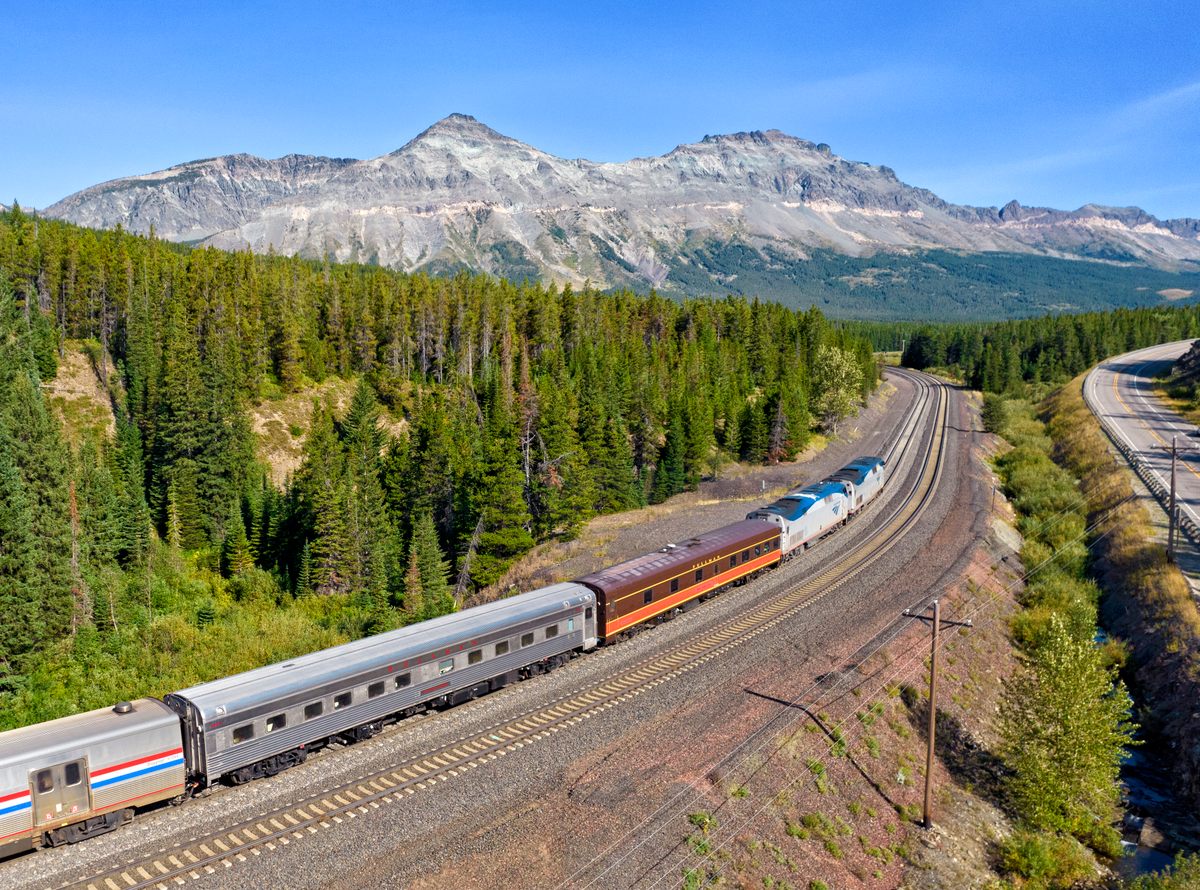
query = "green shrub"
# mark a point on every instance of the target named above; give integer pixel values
(1184, 874)
(1044, 861)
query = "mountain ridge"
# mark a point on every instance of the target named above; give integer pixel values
(462, 195)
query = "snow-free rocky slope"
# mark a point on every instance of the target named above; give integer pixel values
(461, 195)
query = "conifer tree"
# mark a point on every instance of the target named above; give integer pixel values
(134, 513)
(670, 474)
(755, 432)
(563, 491)
(415, 607)
(498, 498)
(19, 625)
(369, 525)
(304, 581)
(431, 582)
(235, 553)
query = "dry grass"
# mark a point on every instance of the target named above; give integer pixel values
(281, 425)
(78, 397)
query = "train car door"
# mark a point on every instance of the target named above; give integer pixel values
(60, 791)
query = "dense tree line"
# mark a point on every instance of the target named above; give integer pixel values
(526, 408)
(1001, 357)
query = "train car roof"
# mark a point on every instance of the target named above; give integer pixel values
(650, 568)
(260, 685)
(857, 470)
(19, 746)
(796, 503)
(816, 490)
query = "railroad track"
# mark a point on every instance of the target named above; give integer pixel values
(227, 847)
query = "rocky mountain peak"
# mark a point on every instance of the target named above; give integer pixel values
(457, 127)
(1012, 211)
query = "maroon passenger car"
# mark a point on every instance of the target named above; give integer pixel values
(640, 589)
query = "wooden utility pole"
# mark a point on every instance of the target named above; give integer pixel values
(937, 622)
(1172, 520)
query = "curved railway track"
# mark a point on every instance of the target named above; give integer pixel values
(227, 846)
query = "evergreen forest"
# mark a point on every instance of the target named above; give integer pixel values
(161, 555)
(1001, 357)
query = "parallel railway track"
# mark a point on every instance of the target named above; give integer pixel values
(227, 847)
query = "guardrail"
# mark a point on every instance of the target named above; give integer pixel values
(1139, 466)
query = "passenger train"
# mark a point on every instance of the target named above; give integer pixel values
(79, 776)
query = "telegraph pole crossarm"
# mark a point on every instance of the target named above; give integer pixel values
(938, 623)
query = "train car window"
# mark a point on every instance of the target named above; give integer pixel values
(73, 774)
(757, 550)
(342, 700)
(44, 782)
(403, 680)
(526, 640)
(446, 665)
(243, 733)
(699, 575)
(674, 584)
(475, 656)
(314, 710)
(551, 631)
(502, 647)
(375, 690)
(733, 561)
(745, 556)
(587, 613)
(648, 596)
(570, 624)
(279, 721)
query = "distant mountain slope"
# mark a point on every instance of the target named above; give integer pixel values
(461, 195)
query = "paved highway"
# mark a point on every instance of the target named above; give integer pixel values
(1120, 391)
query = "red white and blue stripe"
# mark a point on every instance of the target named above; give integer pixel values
(135, 769)
(14, 803)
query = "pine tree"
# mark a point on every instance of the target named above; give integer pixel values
(415, 606)
(433, 569)
(19, 630)
(235, 553)
(755, 432)
(498, 498)
(369, 525)
(563, 492)
(304, 581)
(1064, 720)
(670, 474)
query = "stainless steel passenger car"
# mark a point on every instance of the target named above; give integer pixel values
(71, 778)
(262, 721)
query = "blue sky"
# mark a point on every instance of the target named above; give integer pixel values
(1054, 102)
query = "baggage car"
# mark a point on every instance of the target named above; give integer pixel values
(82, 775)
